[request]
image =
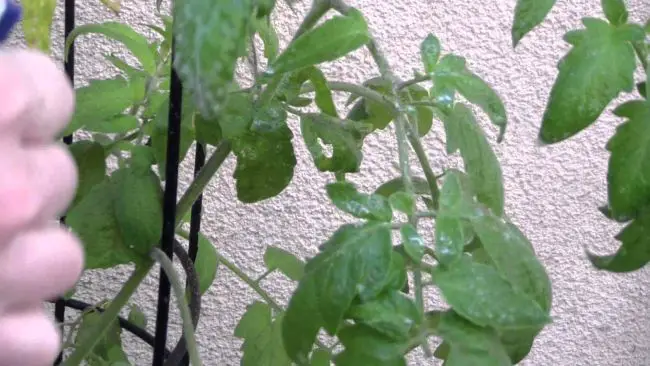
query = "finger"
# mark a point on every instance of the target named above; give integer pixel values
(28, 338)
(36, 186)
(36, 97)
(20, 202)
(39, 265)
(53, 174)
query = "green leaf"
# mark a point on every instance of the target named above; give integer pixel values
(597, 69)
(262, 337)
(507, 249)
(518, 343)
(123, 66)
(137, 317)
(452, 73)
(269, 37)
(451, 238)
(343, 136)
(321, 357)
(207, 131)
(469, 344)
(210, 37)
(206, 263)
(99, 101)
(528, 15)
(480, 161)
(355, 257)
(91, 166)
(365, 346)
(456, 204)
(634, 252)
(237, 116)
(108, 349)
(378, 114)
(478, 293)
(615, 11)
(413, 243)
(117, 124)
(346, 198)
(513, 257)
(160, 132)
(430, 53)
(285, 262)
(420, 187)
(137, 196)
(265, 7)
(36, 19)
(423, 115)
(323, 99)
(132, 40)
(329, 41)
(395, 279)
(392, 314)
(641, 88)
(93, 221)
(254, 321)
(403, 202)
(456, 195)
(628, 174)
(265, 156)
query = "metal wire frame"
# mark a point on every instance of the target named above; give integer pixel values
(159, 340)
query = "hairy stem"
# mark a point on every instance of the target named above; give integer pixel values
(415, 80)
(108, 317)
(241, 274)
(188, 328)
(402, 142)
(430, 176)
(202, 179)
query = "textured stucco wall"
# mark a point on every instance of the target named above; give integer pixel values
(551, 192)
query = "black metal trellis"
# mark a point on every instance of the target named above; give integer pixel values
(159, 340)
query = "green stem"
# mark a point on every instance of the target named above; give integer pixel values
(242, 276)
(203, 178)
(402, 142)
(415, 80)
(108, 317)
(188, 329)
(249, 281)
(430, 176)
(317, 11)
(359, 90)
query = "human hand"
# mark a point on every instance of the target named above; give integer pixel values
(38, 260)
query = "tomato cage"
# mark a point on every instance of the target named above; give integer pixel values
(162, 354)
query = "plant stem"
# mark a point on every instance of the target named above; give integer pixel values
(415, 80)
(249, 281)
(108, 317)
(188, 329)
(430, 176)
(402, 142)
(202, 179)
(317, 11)
(359, 90)
(242, 276)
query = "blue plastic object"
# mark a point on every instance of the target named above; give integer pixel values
(10, 14)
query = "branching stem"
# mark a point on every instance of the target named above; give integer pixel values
(188, 328)
(109, 316)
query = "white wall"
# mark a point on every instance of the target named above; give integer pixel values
(551, 192)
